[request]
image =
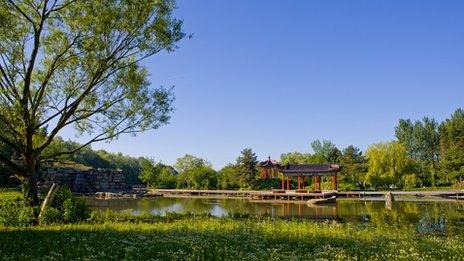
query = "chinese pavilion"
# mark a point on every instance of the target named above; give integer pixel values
(271, 169)
(301, 171)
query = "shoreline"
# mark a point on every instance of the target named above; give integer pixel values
(292, 196)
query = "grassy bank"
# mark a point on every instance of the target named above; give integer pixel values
(119, 235)
(206, 238)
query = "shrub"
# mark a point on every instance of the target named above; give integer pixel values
(65, 208)
(75, 210)
(273, 183)
(51, 215)
(410, 181)
(14, 211)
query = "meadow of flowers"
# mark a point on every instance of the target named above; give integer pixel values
(120, 235)
(208, 238)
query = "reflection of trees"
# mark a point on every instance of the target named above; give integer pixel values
(161, 205)
(245, 206)
(423, 215)
(417, 214)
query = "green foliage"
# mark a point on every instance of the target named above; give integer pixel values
(75, 210)
(149, 172)
(268, 184)
(194, 173)
(51, 215)
(203, 177)
(411, 181)
(14, 210)
(297, 158)
(247, 168)
(167, 178)
(230, 238)
(421, 140)
(189, 162)
(325, 151)
(65, 208)
(130, 166)
(452, 148)
(229, 177)
(80, 67)
(354, 168)
(388, 163)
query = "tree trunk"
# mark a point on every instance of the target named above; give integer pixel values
(30, 186)
(48, 199)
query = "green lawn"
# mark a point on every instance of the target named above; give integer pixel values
(185, 237)
(204, 238)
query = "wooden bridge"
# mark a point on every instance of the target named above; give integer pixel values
(302, 195)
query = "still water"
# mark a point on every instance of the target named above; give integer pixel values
(434, 215)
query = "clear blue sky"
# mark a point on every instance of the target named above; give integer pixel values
(275, 75)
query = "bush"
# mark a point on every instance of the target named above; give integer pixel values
(14, 211)
(75, 210)
(65, 208)
(410, 181)
(51, 215)
(274, 183)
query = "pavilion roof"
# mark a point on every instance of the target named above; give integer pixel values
(309, 169)
(269, 163)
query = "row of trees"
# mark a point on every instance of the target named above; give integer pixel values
(425, 153)
(196, 173)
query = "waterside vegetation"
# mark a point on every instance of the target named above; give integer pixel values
(230, 238)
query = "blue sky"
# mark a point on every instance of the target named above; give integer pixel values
(275, 75)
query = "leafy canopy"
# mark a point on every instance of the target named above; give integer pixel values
(388, 163)
(75, 63)
(452, 147)
(189, 162)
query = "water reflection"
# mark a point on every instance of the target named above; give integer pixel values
(425, 217)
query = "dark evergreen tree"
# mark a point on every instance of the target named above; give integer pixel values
(452, 148)
(247, 164)
(354, 168)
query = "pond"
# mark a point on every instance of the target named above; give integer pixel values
(437, 216)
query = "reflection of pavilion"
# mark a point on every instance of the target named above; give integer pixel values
(271, 168)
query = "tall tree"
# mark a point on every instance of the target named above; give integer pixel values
(247, 164)
(77, 63)
(325, 151)
(421, 140)
(388, 165)
(189, 162)
(353, 168)
(296, 158)
(229, 177)
(452, 147)
(150, 171)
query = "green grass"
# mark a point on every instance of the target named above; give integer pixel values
(115, 236)
(206, 238)
(8, 195)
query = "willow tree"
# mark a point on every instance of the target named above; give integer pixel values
(77, 63)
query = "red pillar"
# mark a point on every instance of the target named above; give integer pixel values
(299, 183)
(283, 183)
(288, 183)
(334, 182)
(318, 183)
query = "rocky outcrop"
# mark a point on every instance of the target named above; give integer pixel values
(85, 181)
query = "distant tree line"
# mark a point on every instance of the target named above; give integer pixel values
(425, 153)
(196, 173)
